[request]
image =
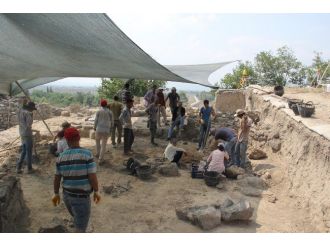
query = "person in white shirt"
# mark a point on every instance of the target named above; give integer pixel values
(173, 153)
(62, 144)
(216, 160)
(102, 125)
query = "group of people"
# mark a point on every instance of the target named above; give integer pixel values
(76, 168)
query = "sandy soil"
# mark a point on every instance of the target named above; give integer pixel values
(149, 206)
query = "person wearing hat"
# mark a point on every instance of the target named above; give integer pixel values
(25, 121)
(216, 160)
(229, 136)
(78, 170)
(242, 138)
(126, 119)
(162, 106)
(102, 125)
(173, 98)
(64, 126)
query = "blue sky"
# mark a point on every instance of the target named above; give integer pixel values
(208, 38)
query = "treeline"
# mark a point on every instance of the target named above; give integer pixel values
(279, 68)
(64, 99)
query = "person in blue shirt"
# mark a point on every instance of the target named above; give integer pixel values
(205, 119)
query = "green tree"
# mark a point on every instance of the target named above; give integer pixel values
(279, 69)
(112, 86)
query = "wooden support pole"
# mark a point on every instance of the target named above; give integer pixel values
(42, 119)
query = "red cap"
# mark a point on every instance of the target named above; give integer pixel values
(104, 103)
(72, 134)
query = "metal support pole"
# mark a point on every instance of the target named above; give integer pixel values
(42, 119)
(324, 72)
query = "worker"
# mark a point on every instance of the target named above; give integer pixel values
(78, 170)
(162, 107)
(62, 144)
(25, 121)
(243, 137)
(64, 126)
(216, 160)
(172, 152)
(150, 96)
(178, 117)
(126, 94)
(152, 111)
(116, 107)
(229, 136)
(102, 125)
(173, 98)
(126, 119)
(205, 121)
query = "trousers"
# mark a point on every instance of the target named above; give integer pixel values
(240, 153)
(162, 111)
(119, 127)
(128, 139)
(101, 140)
(26, 153)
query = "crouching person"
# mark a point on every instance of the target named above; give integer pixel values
(216, 160)
(173, 153)
(78, 170)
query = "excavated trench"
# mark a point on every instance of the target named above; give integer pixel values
(304, 153)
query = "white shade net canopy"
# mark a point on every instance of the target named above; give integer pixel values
(40, 48)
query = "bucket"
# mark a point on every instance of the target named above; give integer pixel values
(294, 108)
(279, 90)
(306, 109)
(144, 172)
(293, 101)
(132, 165)
(211, 178)
(327, 89)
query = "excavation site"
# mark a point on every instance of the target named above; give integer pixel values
(284, 186)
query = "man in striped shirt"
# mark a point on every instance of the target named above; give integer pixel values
(78, 170)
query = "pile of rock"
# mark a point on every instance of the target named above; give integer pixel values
(13, 211)
(208, 217)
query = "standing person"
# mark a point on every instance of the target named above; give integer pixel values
(178, 116)
(126, 94)
(216, 160)
(116, 107)
(152, 112)
(78, 170)
(229, 136)
(102, 126)
(126, 119)
(162, 107)
(149, 96)
(243, 137)
(172, 152)
(205, 119)
(173, 99)
(25, 121)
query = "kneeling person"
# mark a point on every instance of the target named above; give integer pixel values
(173, 153)
(78, 170)
(216, 160)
